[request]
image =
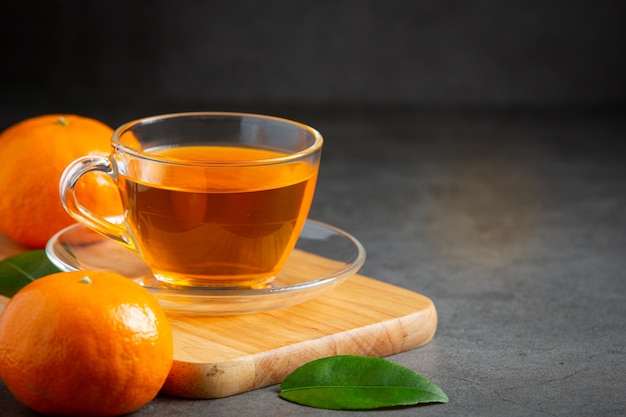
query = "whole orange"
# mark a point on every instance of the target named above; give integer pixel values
(84, 343)
(33, 155)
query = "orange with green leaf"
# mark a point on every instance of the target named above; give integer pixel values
(84, 344)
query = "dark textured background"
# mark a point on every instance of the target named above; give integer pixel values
(166, 55)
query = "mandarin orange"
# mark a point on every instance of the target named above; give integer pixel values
(84, 343)
(33, 155)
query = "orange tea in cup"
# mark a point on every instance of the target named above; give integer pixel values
(233, 223)
(211, 199)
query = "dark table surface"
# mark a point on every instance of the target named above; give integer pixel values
(512, 222)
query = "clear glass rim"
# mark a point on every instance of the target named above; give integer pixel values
(118, 146)
(349, 256)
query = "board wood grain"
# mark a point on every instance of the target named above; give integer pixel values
(222, 356)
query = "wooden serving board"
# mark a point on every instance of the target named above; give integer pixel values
(221, 356)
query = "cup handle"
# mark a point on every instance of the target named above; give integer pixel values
(67, 190)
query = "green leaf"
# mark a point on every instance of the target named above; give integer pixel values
(348, 382)
(20, 270)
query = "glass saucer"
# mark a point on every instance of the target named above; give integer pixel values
(323, 257)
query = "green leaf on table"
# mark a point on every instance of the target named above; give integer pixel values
(349, 382)
(19, 270)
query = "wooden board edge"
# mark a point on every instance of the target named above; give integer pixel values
(218, 380)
